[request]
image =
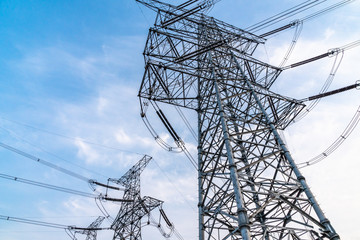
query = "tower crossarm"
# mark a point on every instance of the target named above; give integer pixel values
(166, 80)
(166, 7)
(186, 8)
(280, 110)
(187, 29)
(173, 58)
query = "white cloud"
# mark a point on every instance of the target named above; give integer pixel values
(170, 186)
(102, 105)
(329, 33)
(86, 152)
(122, 137)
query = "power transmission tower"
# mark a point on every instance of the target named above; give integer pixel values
(91, 230)
(249, 184)
(127, 224)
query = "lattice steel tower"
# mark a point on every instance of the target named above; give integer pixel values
(91, 230)
(127, 224)
(249, 185)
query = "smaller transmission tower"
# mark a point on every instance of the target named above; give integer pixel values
(91, 230)
(127, 224)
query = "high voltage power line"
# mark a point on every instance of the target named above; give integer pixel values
(336, 144)
(89, 231)
(294, 11)
(18, 138)
(62, 189)
(70, 137)
(56, 167)
(46, 163)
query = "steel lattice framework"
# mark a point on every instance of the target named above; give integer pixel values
(249, 185)
(127, 224)
(91, 230)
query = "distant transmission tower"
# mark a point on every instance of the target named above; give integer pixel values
(249, 184)
(91, 230)
(127, 224)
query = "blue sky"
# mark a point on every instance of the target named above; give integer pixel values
(73, 68)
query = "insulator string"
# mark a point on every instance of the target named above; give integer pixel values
(180, 144)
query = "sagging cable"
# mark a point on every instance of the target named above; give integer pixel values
(283, 15)
(298, 28)
(102, 209)
(336, 144)
(33, 222)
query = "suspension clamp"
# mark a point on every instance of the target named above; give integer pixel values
(334, 51)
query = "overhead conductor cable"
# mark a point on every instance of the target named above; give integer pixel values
(46, 224)
(291, 12)
(336, 144)
(56, 167)
(61, 189)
